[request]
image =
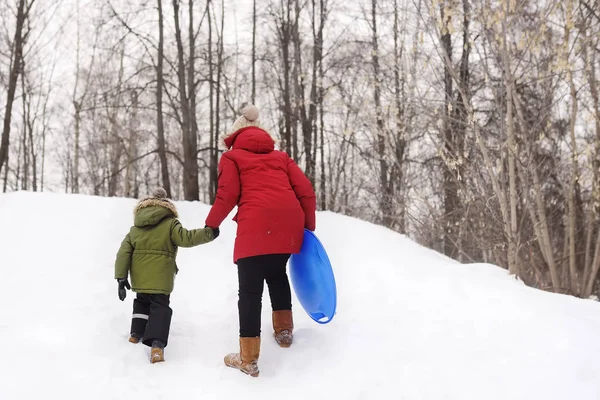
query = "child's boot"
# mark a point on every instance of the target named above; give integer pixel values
(247, 359)
(135, 338)
(157, 353)
(283, 325)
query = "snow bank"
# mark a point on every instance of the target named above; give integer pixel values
(411, 323)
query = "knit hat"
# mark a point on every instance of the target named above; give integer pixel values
(159, 193)
(248, 118)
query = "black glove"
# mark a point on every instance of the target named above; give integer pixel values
(215, 232)
(123, 283)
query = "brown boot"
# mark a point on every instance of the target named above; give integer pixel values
(246, 360)
(135, 339)
(283, 325)
(157, 355)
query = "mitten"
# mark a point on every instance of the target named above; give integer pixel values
(123, 283)
(215, 232)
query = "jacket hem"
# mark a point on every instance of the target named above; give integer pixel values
(150, 291)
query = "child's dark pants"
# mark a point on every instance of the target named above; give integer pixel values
(252, 273)
(151, 318)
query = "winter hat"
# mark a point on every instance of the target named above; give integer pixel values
(159, 193)
(248, 118)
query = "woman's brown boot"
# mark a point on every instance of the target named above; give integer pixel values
(283, 325)
(247, 359)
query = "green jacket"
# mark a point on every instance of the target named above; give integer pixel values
(149, 250)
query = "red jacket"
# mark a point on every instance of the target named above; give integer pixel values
(275, 199)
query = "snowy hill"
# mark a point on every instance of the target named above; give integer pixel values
(411, 323)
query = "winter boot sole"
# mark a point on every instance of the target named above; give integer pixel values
(282, 345)
(284, 339)
(252, 374)
(234, 360)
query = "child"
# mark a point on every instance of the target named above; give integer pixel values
(148, 254)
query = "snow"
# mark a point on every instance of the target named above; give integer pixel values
(411, 324)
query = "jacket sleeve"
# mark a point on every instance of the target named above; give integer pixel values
(182, 237)
(304, 192)
(228, 192)
(123, 262)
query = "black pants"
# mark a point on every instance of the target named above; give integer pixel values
(151, 318)
(252, 273)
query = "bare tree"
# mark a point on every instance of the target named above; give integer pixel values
(592, 253)
(466, 129)
(386, 199)
(253, 95)
(189, 137)
(20, 39)
(285, 27)
(162, 151)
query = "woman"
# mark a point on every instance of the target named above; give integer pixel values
(275, 203)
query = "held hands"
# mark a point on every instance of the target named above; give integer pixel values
(215, 231)
(123, 283)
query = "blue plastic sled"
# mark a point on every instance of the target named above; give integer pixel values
(313, 280)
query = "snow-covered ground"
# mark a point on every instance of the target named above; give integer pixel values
(411, 324)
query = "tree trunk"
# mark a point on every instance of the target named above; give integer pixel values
(33, 155)
(162, 152)
(571, 195)
(323, 187)
(132, 150)
(43, 168)
(461, 109)
(213, 173)
(451, 206)
(385, 204)
(77, 104)
(115, 141)
(397, 175)
(220, 53)
(75, 172)
(285, 39)
(193, 152)
(309, 121)
(190, 142)
(590, 272)
(574, 280)
(24, 145)
(299, 109)
(43, 134)
(253, 52)
(15, 70)
(512, 239)
(5, 185)
(18, 171)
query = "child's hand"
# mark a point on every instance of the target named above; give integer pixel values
(123, 283)
(216, 231)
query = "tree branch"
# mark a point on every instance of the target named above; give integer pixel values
(591, 10)
(123, 168)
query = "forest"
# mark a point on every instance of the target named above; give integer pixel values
(473, 127)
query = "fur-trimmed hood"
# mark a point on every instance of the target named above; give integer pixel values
(252, 139)
(151, 210)
(152, 202)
